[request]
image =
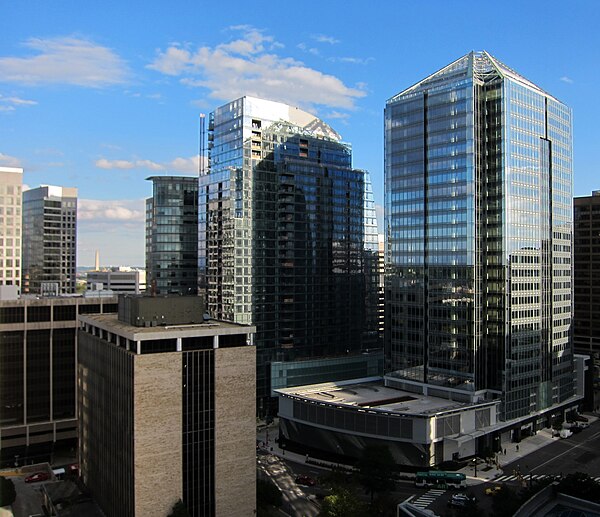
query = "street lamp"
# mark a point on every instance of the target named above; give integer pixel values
(475, 465)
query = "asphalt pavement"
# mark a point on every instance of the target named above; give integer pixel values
(535, 457)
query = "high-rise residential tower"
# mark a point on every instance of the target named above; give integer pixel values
(11, 180)
(282, 233)
(172, 235)
(478, 185)
(49, 240)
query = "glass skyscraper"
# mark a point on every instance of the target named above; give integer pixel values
(172, 235)
(49, 240)
(478, 186)
(282, 234)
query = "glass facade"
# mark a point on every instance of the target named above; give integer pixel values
(282, 233)
(586, 277)
(198, 431)
(49, 240)
(171, 235)
(38, 343)
(316, 371)
(478, 183)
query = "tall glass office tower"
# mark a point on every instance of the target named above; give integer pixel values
(478, 183)
(281, 234)
(49, 240)
(172, 235)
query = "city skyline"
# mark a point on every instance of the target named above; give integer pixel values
(95, 101)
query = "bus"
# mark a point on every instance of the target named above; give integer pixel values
(441, 479)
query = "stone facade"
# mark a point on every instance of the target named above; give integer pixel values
(157, 431)
(235, 431)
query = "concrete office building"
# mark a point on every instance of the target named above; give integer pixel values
(478, 222)
(167, 410)
(11, 180)
(49, 240)
(38, 358)
(120, 280)
(282, 234)
(172, 235)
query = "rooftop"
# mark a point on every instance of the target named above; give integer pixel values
(476, 64)
(370, 393)
(111, 323)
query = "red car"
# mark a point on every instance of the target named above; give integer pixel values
(38, 476)
(305, 480)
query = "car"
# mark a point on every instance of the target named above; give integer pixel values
(463, 497)
(457, 503)
(38, 476)
(305, 480)
(493, 490)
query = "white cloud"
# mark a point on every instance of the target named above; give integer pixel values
(114, 227)
(322, 38)
(9, 161)
(566, 79)
(103, 163)
(17, 101)
(353, 60)
(248, 66)
(183, 164)
(66, 60)
(11, 103)
(127, 210)
(310, 50)
(177, 164)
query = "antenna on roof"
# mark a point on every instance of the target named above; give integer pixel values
(201, 147)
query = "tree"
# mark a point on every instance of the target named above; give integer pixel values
(471, 509)
(179, 510)
(376, 468)
(505, 503)
(8, 493)
(580, 485)
(335, 478)
(343, 503)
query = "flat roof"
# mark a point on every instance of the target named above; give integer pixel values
(111, 323)
(372, 394)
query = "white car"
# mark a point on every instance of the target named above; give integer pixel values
(462, 497)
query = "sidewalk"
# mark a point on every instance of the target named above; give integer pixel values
(266, 442)
(514, 452)
(485, 473)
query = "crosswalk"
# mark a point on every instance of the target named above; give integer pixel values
(534, 477)
(427, 498)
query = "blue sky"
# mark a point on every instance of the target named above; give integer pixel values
(101, 95)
